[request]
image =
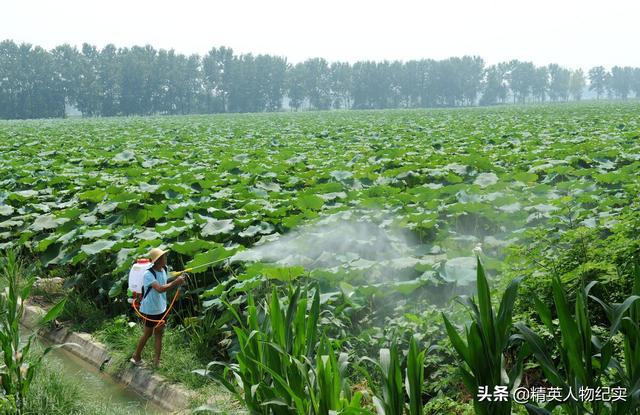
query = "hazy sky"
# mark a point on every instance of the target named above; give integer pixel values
(571, 33)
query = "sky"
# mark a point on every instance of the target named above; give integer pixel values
(575, 34)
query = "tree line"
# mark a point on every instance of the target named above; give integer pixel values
(142, 80)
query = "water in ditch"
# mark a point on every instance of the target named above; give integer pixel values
(98, 387)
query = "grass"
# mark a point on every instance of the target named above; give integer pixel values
(120, 335)
(177, 359)
(177, 362)
(55, 395)
(77, 305)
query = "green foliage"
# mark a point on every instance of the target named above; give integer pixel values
(275, 371)
(415, 377)
(558, 182)
(79, 305)
(585, 359)
(443, 404)
(399, 380)
(624, 318)
(19, 364)
(135, 81)
(392, 401)
(53, 394)
(488, 338)
(178, 355)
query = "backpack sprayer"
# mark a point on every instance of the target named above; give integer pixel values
(136, 287)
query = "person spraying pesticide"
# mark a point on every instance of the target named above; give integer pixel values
(153, 302)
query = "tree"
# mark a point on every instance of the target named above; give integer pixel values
(392, 72)
(66, 73)
(635, 82)
(409, 81)
(521, 79)
(494, 86)
(295, 86)
(9, 79)
(317, 83)
(576, 84)
(540, 84)
(445, 82)
(620, 81)
(40, 94)
(190, 83)
(427, 87)
(135, 67)
(472, 69)
(365, 92)
(140, 80)
(88, 92)
(244, 92)
(271, 72)
(217, 73)
(559, 79)
(340, 84)
(109, 81)
(598, 80)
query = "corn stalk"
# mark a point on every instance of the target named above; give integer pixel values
(280, 368)
(19, 365)
(488, 337)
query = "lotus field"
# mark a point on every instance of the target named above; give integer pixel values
(341, 240)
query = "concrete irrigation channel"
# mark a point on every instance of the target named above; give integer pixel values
(134, 386)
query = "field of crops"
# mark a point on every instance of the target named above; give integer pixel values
(382, 213)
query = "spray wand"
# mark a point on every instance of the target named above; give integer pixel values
(176, 273)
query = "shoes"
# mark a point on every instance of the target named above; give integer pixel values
(136, 362)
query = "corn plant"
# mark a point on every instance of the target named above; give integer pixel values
(573, 342)
(488, 337)
(280, 369)
(585, 360)
(19, 365)
(391, 397)
(624, 318)
(392, 400)
(414, 378)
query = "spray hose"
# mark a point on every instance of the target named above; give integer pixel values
(162, 320)
(175, 296)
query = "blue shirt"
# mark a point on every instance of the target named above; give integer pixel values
(154, 302)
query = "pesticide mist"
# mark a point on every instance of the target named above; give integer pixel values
(369, 247)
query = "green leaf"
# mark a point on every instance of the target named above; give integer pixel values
(341, 175)
(53, 312)
(309, 202)
(283, 273)
(198, 263)
(572, 340)
(97, 247)
(457, 341)
(525, 177)
(217, 227)
(148, 235)
(484, 305)
(415, 377)
(193, 246)
(537, 347)
(125, 156)
(45, 222)
(6, 210)
(95, 195)
(505, 312)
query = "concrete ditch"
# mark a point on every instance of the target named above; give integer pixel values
(168, 396)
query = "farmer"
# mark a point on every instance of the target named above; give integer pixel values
(154, 303)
